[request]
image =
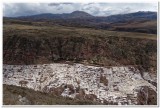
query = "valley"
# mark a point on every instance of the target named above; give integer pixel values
(97, 61)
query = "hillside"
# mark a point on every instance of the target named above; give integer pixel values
(13, 95)
(146, 15)
(143, 22)
(32, 44)
(136, 26)
(50, 62)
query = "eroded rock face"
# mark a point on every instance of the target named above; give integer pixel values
(109, 85)
(146, 96)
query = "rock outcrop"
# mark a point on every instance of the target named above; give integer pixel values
(108, 85)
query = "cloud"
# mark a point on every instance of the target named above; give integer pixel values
(53, 4)
(57, 4)
(96, 9)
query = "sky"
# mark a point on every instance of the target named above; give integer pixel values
(96, 9)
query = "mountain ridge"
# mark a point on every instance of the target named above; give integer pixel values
(74, 14)
(81, 14)
(141, 21)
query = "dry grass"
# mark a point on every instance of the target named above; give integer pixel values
(50, 31)
(32, 44)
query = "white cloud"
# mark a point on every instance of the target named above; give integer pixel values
(97, 9)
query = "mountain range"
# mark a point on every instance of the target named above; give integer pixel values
(75, 14)
(142, 21)
(83, 15)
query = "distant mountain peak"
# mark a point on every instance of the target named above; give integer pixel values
(80, 14)
(77, 12)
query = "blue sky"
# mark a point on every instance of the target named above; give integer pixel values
(96, 9)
